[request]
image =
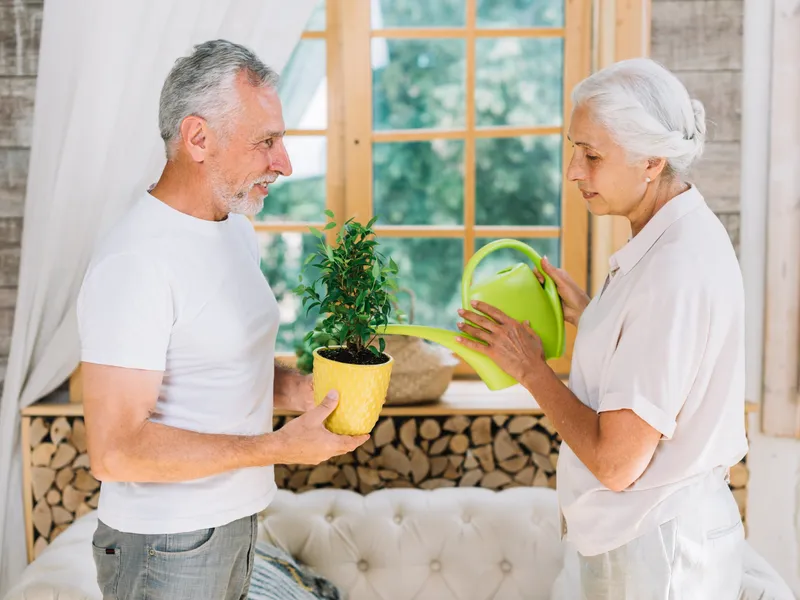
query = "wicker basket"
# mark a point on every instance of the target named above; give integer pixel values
(422, 370)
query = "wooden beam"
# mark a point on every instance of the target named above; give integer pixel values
(407, 33)
(356, 57)
(574, 216)
(416, 135)
(623, 31)
(469, 142)
(781, 412)
(335, 178)
(25, 438)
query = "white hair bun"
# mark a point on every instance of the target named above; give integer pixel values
(647, 110)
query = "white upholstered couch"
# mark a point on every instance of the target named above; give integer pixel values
(399, 544)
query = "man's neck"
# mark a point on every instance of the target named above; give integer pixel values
(187, 190)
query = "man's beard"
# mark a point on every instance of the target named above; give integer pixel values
(239, 200)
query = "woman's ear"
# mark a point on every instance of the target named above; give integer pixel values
(655, 166)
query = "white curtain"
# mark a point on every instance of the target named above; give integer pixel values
(95, 147)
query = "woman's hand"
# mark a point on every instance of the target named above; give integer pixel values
(512, 345)
(573, 299)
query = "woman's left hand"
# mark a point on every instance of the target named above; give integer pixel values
(512, 345)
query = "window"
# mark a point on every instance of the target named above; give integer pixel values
(445, 119)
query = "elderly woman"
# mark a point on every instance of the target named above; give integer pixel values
(653, 416)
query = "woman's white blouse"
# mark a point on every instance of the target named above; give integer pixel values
(665, 339)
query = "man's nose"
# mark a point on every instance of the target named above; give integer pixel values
(280, 160)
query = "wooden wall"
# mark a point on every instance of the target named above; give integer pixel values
(20, 26)
(701, 42)
(699, 39)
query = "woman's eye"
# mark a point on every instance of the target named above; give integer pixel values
(592, 157)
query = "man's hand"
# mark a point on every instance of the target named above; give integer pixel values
(306, 441)
(293, 390)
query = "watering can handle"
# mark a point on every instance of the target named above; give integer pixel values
(549, 285)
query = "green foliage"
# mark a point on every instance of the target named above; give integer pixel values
(357, 284)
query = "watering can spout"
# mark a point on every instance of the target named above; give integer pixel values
(492, 375)
(516, 292)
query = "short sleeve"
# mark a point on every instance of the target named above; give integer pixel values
(658, 354)
(125, 313)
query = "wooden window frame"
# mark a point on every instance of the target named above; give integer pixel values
(350, 135)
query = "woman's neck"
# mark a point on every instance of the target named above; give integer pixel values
(654, 199)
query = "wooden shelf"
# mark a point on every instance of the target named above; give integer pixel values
(463, 397)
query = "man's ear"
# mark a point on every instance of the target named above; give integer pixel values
(194, 137)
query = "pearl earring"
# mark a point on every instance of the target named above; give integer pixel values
(647, 180)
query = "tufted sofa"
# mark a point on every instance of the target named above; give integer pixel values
(398, 544)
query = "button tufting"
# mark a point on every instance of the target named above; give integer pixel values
(505, 566)
(398, 519)
(363, 565)
(329, 518)
(466, 518)
(436, 565)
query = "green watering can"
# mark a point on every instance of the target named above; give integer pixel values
(514, 290)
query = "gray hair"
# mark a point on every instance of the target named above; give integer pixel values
(203, 84)
(647, 111)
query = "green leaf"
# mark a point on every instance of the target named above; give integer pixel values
(382, 344)
(329, 213)
(329, 226)
(316, 232)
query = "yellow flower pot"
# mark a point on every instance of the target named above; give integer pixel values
(362, 392)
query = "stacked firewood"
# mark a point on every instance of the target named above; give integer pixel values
(427, 452)
(62, 487)
(493, 452)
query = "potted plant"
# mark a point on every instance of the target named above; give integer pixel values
(354, 295)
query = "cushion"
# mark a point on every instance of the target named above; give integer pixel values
(278, 576)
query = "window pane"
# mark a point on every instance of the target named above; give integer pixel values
(303, 87)
(300, 197)
(520, 13)
(282, 257)
(431, 268)
(418, 13)
(317, 20)
(518, 180)
(418, 83)
(518, 81)
(419, 183)
(506, 257)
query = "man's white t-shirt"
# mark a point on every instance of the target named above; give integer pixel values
(169, 292)
(665, 339)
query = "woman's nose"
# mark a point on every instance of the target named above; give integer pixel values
(574, 172)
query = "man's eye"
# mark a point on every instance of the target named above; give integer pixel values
(269, 142)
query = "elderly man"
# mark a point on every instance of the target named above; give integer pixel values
(178, 329)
